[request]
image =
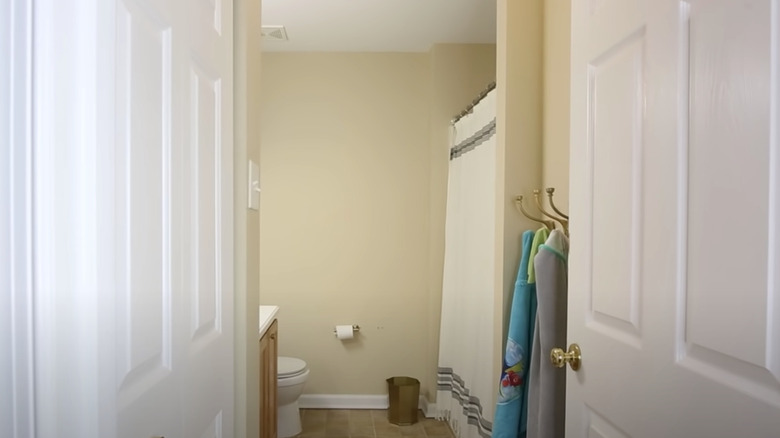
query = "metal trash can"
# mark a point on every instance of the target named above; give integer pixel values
(404, 394)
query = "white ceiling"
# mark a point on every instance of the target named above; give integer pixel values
(379, 25)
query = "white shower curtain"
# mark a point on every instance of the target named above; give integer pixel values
(465, 377)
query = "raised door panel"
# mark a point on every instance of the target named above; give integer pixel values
(143, 201)
(206, 189)
(615, 168)
(206, 239)
(730, 289)
(143, 251)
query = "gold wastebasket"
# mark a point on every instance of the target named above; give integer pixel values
(404, 394)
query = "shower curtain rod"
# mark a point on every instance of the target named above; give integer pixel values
(474, 103)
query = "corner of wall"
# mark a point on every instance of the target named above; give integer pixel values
(557, 54)
(246, 72)
(519, 130)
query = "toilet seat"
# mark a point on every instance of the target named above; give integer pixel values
(287, 367)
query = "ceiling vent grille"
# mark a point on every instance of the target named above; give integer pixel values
(273, 33)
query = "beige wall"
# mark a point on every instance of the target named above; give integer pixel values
(458, 73)
(246, 73)
(344, 227)
(310, 134)
(332, 175)
(353, 175)
(533, 41)
(519, 132)
(557, 45)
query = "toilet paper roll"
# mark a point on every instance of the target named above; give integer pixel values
(344, 332)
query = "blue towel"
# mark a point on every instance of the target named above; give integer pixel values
(512, 408)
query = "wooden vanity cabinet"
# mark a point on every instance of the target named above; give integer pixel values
(268, 383)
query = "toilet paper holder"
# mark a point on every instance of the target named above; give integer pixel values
(355, 329)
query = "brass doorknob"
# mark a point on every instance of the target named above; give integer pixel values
(559, 358)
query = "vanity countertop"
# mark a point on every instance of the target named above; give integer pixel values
(267, 316)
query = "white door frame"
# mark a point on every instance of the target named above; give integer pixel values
(17, 418)
(69, 38)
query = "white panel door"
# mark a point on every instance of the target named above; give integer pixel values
(171, 250)
(206, 87)
(674, 292)
(148, 292)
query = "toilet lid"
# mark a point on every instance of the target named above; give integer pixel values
(289, 366)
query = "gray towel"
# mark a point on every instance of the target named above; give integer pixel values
(547, 390)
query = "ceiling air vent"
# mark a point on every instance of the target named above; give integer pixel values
(273, 33)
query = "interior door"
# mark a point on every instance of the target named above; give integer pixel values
(170, 257)
(674, 294)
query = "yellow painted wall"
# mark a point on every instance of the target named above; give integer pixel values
(246, 71)
(519, 134)
(344, 223)
(557, 51)
(334, 174)
(533, 41)
(353, 174)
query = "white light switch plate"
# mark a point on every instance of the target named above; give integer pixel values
(254, 186)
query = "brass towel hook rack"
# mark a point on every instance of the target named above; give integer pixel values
(550, 225)
(550, 191)
(564, 223)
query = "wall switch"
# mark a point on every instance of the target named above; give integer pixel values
(254, 186)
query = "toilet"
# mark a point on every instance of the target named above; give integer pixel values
(291, 377)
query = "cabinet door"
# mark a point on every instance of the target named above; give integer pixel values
(268, 383)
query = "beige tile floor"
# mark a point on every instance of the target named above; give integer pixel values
(365, 423)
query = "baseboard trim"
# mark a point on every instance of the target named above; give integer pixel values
(342, 401)
(429, 409)
(356, 401)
